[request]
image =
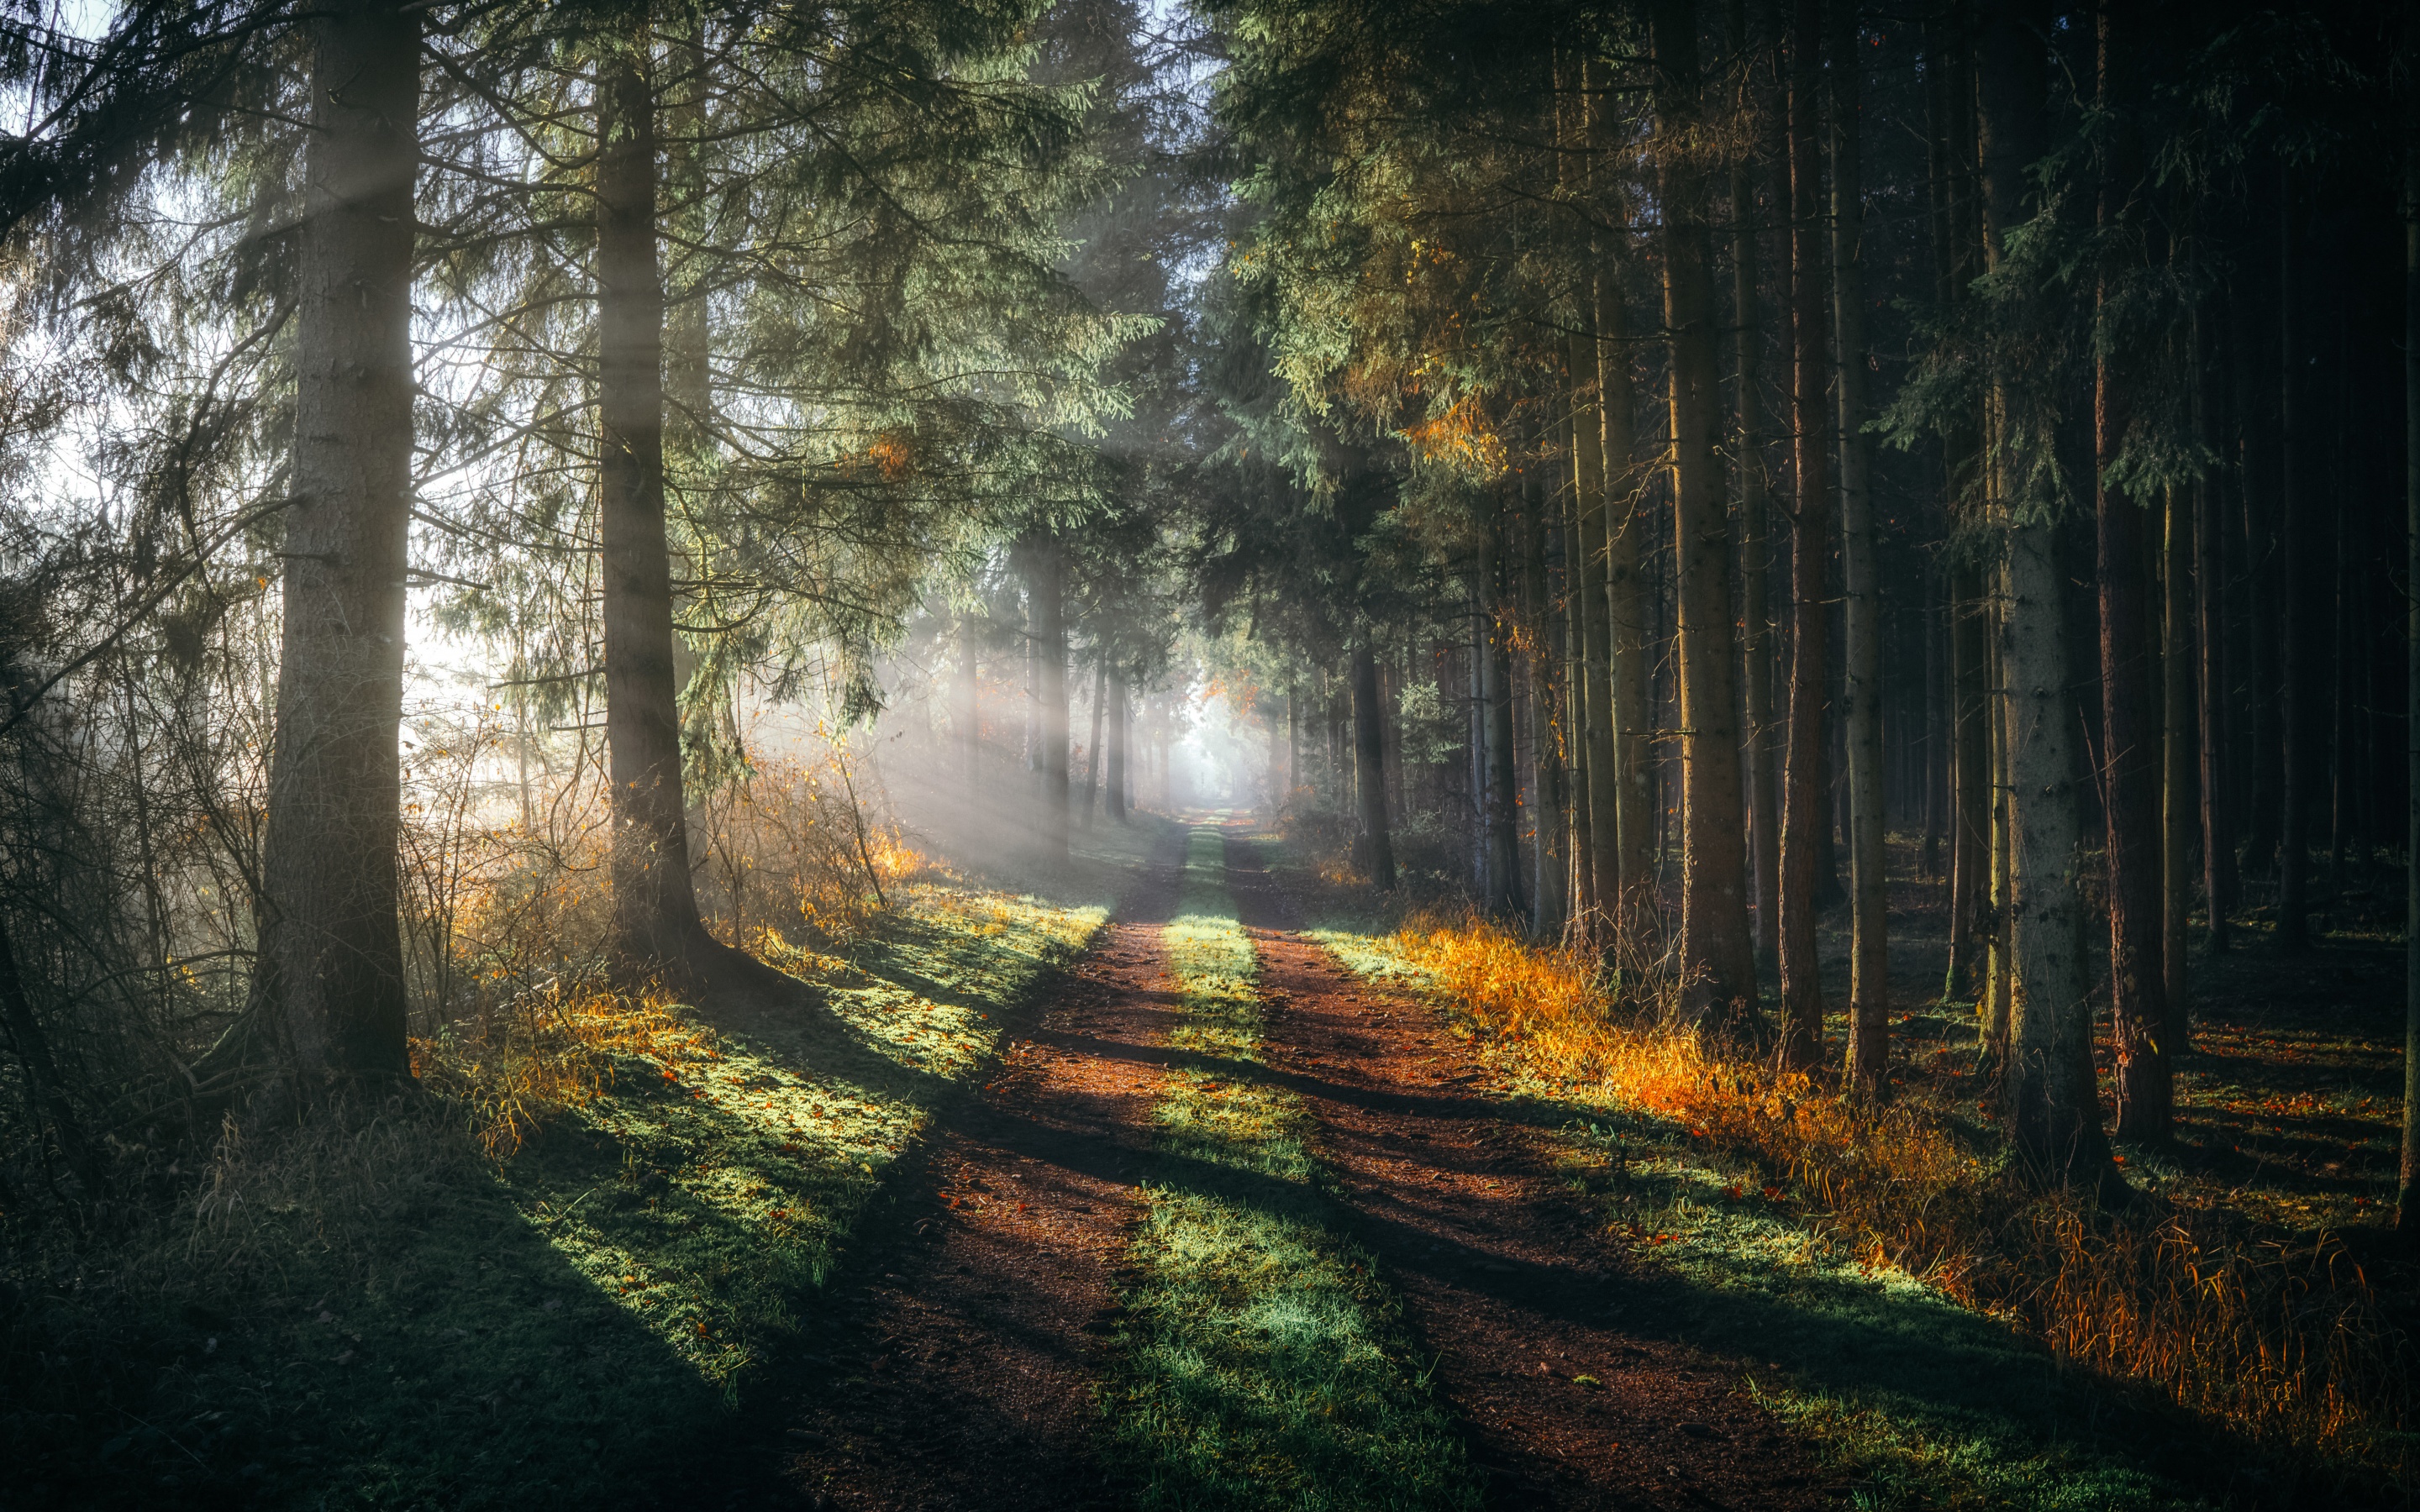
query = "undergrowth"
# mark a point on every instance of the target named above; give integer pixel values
(1266, 1365)
(2287, 1348)
(540, 1279)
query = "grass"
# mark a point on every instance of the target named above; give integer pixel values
(541, 1282)
(1953, 1339)
(1265, 1364)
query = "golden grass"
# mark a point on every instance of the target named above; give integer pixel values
(2286, 1342)
(550, 1051)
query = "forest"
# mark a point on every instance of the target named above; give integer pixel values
(1203, 754)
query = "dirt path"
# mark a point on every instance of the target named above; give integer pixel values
(955, 1368)
(1507, 1280)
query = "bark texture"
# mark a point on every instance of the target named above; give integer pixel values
(1716, 952)
(1805, 813)
(328, 984)
(1369, 765)
(1868, 1053)
(2047, 1084)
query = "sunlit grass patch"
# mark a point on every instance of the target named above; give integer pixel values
(1266, 1365)
(707, 1195)
(538, 1283)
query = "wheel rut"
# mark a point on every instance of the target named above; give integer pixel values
(955, 1368)
(1506, 1277)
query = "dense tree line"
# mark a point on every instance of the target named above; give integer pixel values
(1773, 428)
(1636, 459)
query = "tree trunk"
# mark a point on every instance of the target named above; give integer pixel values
(2130, 753)
(2257, 423)
(1868, 1053)
(1119, 725)
(328, 987)
(1498, 796)
(1999, 974)
(1972, 795)
(2408, 1188)
(2217, 820)
(2297, 481)
(970, 736)
(1093, 747)
(1584, 931)
(1551, 873)
(1756, 549)
(1806, 818)
(656, 928)
(1718, 957)
(2053, 1108)
(1593, 684)
(1048, 588)
(1370, 756)
(1631, 757)
(2178, 817)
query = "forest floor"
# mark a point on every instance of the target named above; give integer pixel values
(1166, 1183)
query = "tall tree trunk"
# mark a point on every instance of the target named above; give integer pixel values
(1756, 549)
(2053, 1107)
(2129, 729)
(1500, 793)
(1972, 800)
(1552, 873)
(1093, 746)
(1957, 241)
(1591, 667)
(1717, 955)
(329, 976)
(2297, 484)
(1869, 1053)
(1584, 931)
(2257, 423)
(2000, 952)
(1805, 817)
(2407, 1207)
(971, 712)
(2177, 816)
(655, 904)
(1370, 758)
(2217, 820)
(1631, 756)
(1120, 724)
(1049, 591)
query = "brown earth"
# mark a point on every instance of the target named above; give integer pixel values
(956, 1367)
(1509, 1283)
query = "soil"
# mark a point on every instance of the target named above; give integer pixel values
(957, 1368)
(1565, 1362)
(954, 1368)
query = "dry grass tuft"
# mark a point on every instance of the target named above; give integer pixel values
(550, 1051)
(2288, 1343)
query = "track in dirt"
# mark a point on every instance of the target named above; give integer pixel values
(1505, 1277)
(956, 1367)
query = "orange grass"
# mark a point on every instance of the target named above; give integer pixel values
(2286, 1342)
(550, 1051)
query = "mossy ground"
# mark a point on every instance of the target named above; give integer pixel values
(1264, 1364)
(372, 1313)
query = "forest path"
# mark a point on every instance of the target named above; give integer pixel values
(1508, 1281)
(955, 1364)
